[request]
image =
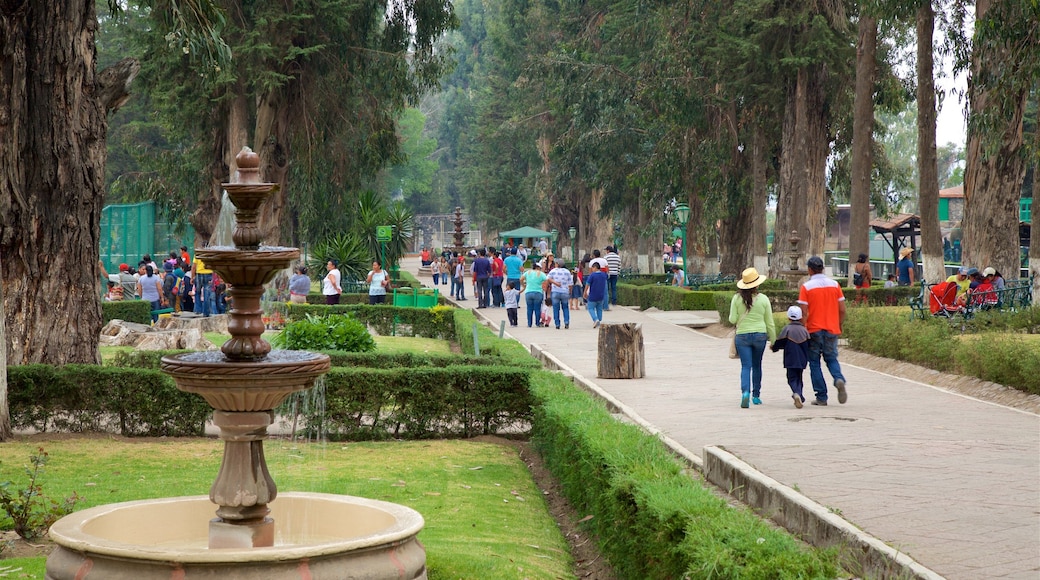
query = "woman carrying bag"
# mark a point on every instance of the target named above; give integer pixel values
(752, 314)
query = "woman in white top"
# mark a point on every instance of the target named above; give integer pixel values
(377, 280)
(330, 286)
(435, 269)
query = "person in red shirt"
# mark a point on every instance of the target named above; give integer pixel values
(498, 275)
(823, 310)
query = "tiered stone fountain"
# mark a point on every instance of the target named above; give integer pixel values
(299, 535)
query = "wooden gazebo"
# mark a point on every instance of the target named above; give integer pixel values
(896, 230)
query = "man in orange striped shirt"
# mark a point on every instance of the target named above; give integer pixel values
(823, 310)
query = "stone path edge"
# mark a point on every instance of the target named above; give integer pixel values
(769, 498)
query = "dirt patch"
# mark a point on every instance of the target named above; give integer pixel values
(15, 547)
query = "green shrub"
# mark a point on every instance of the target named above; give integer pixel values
(417, 402)
(81, 398)
(436, 322)
(334, 332)
(651, 519)
(32, 512)
(128, 310)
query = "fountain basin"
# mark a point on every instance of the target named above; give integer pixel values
(317, 537)
(245, 386)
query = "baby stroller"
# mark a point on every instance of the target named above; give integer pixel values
(942, 300)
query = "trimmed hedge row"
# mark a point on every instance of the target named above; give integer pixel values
(129, 310)
(651, 518)
(80, 398)
(782, 299)
(417, 402)
(149, 359)
(665, 297)
(436, 322)
(490, 344)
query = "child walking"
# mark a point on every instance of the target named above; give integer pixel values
(794, 339)
(512, 299)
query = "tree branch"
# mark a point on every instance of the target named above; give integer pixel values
(114, 83)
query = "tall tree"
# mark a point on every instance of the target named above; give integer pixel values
(862, 138)
(927, 162)
(1005, 65)
(53, 107)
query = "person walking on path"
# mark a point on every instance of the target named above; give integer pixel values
(560, 291)
(752, 314)
(330, 286)
(498, 275)
(823, 309)
(377, 280)
(531, 287)
(482, 279)
(512, 302)
(514, 267)
(595, 291)
(794, 340)
(613, 272)
(458, 281)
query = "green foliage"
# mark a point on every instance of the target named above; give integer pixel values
(350, 251)
(488, 341)
(419, 402)
(81, 398)
(436, 322)
(30, 510)
(651, 518)
(334, 332)
(137, 311)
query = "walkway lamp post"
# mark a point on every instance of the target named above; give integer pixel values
(682, 216)
(555, 235)
(573, 231)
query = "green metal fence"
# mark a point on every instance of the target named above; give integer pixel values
(129, 231)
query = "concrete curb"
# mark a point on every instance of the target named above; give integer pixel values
(861, 552)
(807, 519)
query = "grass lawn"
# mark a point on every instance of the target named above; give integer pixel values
(485, 518)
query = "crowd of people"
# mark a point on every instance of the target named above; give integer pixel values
(181, 284)
(545, 284)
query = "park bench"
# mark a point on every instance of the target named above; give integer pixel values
(1015, 296)
(353, 286)
(627, 273)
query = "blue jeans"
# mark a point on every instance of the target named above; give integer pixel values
(204, 299)
(595, 309)
(498, 298)
(534, 308)
(612, 285)
(825, 344)
(483, 292)
(750, 347)
(561, 300)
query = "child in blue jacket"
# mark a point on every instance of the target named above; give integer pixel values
(794, 339)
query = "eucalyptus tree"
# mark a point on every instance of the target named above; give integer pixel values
(314, 85)
(1004, 66)
(53, 120)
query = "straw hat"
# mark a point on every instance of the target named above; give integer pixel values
(905, 252)
(750, 278)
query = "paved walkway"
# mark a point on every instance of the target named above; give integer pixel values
(949, 480)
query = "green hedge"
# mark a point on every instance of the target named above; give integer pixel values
(417, 402)
(490, 344)
(81, 398)
(436, 322)
(781, 300)
(128, 310)
(665, 297)
(651, 518)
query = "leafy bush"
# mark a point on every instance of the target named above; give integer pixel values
(436, 322)
(334, 332)
(81, 398)
(651, 519)
(129, 310)
(31, 512)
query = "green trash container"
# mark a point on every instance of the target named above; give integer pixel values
(426, 298)
(404, 297)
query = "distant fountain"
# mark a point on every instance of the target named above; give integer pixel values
(459, 236)
(299, 535)
(793, 272)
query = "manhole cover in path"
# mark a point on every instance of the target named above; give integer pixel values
(826, 419)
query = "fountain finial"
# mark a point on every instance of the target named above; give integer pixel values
(248, 163)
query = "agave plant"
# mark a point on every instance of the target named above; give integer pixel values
(351, 251)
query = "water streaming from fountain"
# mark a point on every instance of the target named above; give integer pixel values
(301, 535)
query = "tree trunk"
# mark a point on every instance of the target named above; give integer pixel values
(862, 141)
(993, 176)
(53, 125)
(273, 119)
(802, 201)
(927, 162)
(1034, 219)
(594, 232)
(620, 352)
(5, 414)
(759, 200)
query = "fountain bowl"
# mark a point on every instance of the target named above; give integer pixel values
(317, 536)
